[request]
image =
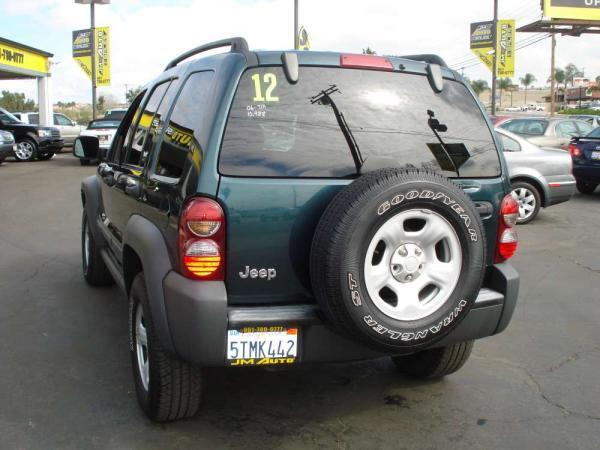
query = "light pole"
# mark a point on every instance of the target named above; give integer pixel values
(296, 43)
(92, 3)
(495, 65)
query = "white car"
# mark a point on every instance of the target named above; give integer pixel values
(104, 130)
(513, 109)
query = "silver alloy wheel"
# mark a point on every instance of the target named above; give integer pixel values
(141, 344)
(412, 264)
(24, 150)
(86, 245)
(526, 201)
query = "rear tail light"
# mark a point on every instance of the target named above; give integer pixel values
(575, 151)
(202, 240)
(366, 62)
(507, 234)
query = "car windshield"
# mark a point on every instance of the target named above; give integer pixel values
(307, 129)
(104, 124)
(526, 127)
(8, 118)
(595, 133)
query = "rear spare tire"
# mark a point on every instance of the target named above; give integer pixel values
(398, 258)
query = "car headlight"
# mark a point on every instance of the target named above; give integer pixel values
(44, 133)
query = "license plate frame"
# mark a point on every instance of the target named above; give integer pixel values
(263, 345)
(595, 155)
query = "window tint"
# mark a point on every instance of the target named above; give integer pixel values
(34, 119)
(59, 119)
(584, 128)
(509, 144)
(139, 146)
(182, 134)
(527, 127)
(595, 133)
(566, 129)
(276, 129)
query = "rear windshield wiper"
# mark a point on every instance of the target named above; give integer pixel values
(324, 98)
(456, 154)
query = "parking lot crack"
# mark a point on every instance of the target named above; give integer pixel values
(539, 389)
(572, 357)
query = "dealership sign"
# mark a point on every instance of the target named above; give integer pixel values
(82, 53)
(24, 60)
(482, 45)
(572, 9)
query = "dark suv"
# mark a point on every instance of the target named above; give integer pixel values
(33, 141)
(276, 208)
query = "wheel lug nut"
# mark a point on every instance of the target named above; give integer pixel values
(409, 277)
(402, 252)
(418, 251)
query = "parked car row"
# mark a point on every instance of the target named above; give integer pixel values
(29, 140)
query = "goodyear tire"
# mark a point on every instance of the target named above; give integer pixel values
(398, 259)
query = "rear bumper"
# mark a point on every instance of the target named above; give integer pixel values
(560, 189)
(199, 317)
(587, 173)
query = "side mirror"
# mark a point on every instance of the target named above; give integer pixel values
(87, 147)
(73, 123)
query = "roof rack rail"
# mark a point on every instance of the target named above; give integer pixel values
(237, 44)
(428, 58)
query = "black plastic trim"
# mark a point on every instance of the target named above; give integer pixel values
(237, 44)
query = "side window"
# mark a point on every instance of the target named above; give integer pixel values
(516, 126)
(182, 134)
(34, 119)
(138, 145)
(510, 145)
(566, 129)
(125, 130)
(584, 128)
(59, 119)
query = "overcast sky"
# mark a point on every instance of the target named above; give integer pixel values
(146, 34)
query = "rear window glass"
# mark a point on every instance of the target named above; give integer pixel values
(527, 127)
(595, 133)
(276, 129)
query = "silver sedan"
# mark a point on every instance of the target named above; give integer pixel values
(540, 177)
(555, 132)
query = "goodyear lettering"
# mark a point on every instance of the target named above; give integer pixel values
(430, 195)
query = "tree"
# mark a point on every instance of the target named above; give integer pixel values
(101, 102)
(504, 84)
(598, 81)
(571, 71)
(479, 86)
(368, 51)
(16, 102)
(526, 81)
(132, 93)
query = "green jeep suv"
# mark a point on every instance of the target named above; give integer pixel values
(282, 207)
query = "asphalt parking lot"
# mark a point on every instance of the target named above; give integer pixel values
(65, 376)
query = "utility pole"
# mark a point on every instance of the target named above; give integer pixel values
(495, 65)
(126, 90)
(553, 77)
(93, 44)
(296, 43)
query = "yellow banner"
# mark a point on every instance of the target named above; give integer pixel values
(506, 49)
(83, 56)
(20, 58)
(102, 44)
(572, 9)
(482, 45)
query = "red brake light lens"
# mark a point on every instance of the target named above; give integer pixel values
(202, 258)
(366, 62)
(575, 151)
(507, 241)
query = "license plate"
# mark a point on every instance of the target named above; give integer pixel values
(595, 155)
(103, 138)
(255, 346)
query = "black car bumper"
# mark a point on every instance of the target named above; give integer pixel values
(50, 144)
(6, 150)
(199, 319)
(587, 173)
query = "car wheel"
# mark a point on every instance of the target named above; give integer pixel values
(529, 201)
(26, 150)
(434, 363)
(45, 156)
(95, 271)
(586, 188)
(167, 388)
(415, 265)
